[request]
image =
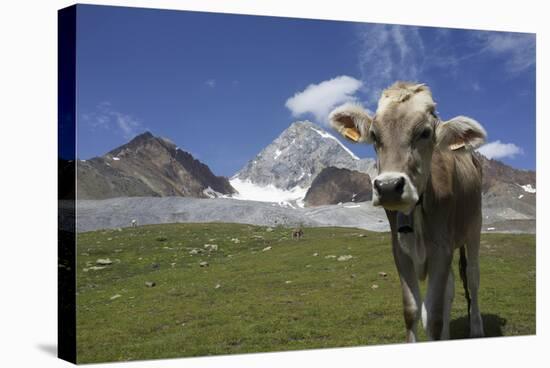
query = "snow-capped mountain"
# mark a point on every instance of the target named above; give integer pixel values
(284, 170)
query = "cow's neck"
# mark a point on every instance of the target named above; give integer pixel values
(411, 230)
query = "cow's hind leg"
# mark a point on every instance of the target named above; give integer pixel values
(472, 273)
(449, 296)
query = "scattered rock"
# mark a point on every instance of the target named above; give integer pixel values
(382, 274)
(173, 264)
(347, 257)
(362, 235)
(330, 256)
(155, 266)
(217, 286)
(374, 286)
(116, 296)
(204, 264)
(109, 239)
(288, 282)
(269, 229)
(308, 266)
(211, 247)
(104, 261)
(86, 269)
(150, 283)
(235, 240)
(266, 249)
(118, 250)
(315, 254)
(161, 238)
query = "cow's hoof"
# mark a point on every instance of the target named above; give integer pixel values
(476, 327)
(476, 334)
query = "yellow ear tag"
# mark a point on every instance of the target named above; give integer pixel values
(351, 134)
(457, 146)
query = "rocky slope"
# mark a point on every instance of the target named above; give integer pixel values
(496, 173)
(334, 185)
(148, 166)
(509, 194)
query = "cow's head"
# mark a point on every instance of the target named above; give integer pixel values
(405, 131)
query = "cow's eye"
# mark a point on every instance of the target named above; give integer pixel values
(425, 134)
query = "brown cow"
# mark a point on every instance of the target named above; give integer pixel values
(429, 183)
(297, 233)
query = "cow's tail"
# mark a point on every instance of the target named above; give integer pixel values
(462, 264)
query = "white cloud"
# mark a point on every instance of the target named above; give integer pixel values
(388, 53)
(517, 48)
(497, 149)
(319, 99)
(211, 83)
(107, 118)
(127, 124)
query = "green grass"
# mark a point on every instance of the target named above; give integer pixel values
(281, 299)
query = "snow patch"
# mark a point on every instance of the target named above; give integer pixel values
(277, 153)
(248, 191)
(529, 188)
(353, 206)
(330, 136)
(211, 193)
(116, 159)
(520, 196)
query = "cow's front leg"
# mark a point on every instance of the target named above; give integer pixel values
(437, 305)
(410, 288)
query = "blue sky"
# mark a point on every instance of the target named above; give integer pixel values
(224, 86)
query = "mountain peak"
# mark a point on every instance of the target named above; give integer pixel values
(302, 124)
(149, 166)
(145, 136)
(296, 156)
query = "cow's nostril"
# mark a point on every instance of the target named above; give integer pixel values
(400, 185)
(377, 185)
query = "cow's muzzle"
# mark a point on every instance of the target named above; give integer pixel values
(394, 191)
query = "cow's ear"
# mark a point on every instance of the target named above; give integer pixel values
(352, 121)
(460, 132)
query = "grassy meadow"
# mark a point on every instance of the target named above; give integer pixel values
(156, 292)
